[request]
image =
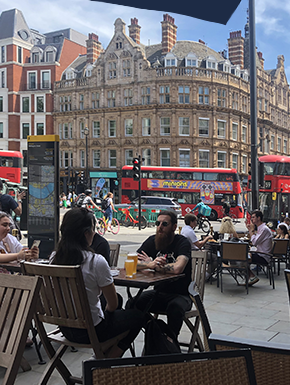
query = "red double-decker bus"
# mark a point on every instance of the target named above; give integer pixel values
(11, 166)
(187, 185)
(274, 190)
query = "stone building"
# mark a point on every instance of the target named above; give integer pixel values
(30, 63)
(177, 103)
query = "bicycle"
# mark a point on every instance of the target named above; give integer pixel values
(127, 219)
(203, 224)
(102, 225)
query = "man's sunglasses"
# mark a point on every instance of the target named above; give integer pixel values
(164, 224)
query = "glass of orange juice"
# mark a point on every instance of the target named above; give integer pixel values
(129, 267)
(133, 256)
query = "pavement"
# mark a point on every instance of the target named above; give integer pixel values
(262, 315)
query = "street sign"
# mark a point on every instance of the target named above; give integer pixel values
(43, 192)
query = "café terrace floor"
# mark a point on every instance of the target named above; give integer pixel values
(263, 315)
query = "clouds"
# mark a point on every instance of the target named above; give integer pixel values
(272, 19)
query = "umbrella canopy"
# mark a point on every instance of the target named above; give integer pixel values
(211, 10)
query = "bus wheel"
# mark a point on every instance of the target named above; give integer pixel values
(213, 215)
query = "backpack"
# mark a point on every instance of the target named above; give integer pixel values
(80, 200)
(160, 339)
(105, 204)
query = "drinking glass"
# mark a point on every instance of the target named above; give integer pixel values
(129, 267)
(134, 257)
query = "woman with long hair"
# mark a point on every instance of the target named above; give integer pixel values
(77, 232)
(282, 232)
(109, 209)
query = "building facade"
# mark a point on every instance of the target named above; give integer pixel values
(177, 103)
(30, 63)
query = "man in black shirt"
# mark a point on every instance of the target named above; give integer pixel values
(168, 253)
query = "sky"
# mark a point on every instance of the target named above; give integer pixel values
(272, 23)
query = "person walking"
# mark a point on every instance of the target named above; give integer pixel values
(109, 210)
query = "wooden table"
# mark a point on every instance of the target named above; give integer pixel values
(144, 279)
(15, 266)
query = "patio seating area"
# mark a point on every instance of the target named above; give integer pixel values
(263, 315)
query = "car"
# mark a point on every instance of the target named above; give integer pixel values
(156, 203)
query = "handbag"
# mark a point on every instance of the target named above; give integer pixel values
(160, 339)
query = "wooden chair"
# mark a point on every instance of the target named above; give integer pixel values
(271, 360)
(207, 368)
(114, 253)
(206, 328)
(63, 302)
(18, 298)
(198, 263)
(280, 252)
(235, 260)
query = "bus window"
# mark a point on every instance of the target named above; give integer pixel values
(232, 199)
(226, 177)
(195, 198)
(210, 176)
(197, 175)
(283, 169)
(6, 162)
(183, 197)
(156, 174)
(184, 176)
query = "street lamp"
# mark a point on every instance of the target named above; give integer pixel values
(86, 132)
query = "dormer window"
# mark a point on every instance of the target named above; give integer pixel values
(119, 45)
(89, 71)
(190, 63)
(191, 60)
(50, 54)
(211, 63)
(36, 55)
(70, 75)
(170, 60)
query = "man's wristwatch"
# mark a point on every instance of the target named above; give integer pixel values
(19, 200)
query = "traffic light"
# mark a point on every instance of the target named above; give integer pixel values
(82, 177)
(136, 169)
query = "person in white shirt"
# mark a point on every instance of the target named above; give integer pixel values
(187, 231)
(262, 240)
(190, 221)
(10, 248)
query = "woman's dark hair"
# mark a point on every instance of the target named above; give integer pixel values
(284, 229)
(76, 222)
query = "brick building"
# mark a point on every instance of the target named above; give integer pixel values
(30, 63)
(177, 103)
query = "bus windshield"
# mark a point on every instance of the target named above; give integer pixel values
(283, 169)
(269, 168)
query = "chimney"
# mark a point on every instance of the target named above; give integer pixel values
(236, 48)
(134, 30)
(201, 41)
(260, 55)
(94, 48)
(168, 33)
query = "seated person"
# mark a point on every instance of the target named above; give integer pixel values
(262, 239)
(285, 222)
(282, 232)
(167, 253)
(77, 233)
(190, 221)
(10, 248)
(227, 227)
(101, 246)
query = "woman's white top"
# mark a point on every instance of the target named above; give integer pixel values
(96, 274)
(14, 245)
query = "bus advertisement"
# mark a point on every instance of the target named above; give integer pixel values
(11, 166)
(187, 185)
(274, 189)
